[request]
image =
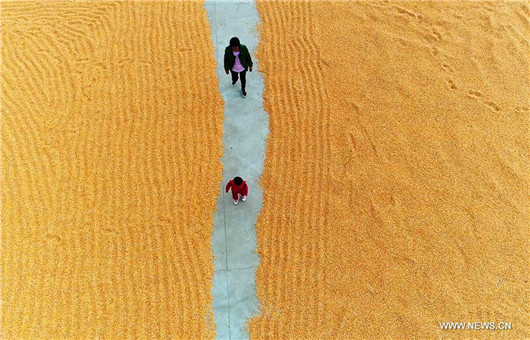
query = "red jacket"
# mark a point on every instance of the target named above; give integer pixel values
(242, 189)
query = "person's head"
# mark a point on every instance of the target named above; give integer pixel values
(234, 43)
(238, 180)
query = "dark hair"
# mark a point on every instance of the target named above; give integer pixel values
(234, 42)
(238, 180)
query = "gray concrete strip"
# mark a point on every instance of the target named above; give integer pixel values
(245, 131)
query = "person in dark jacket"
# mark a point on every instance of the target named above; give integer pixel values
(237, 61)
(239, 189)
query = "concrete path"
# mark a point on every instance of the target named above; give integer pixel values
(244, 137)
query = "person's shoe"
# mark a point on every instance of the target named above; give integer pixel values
(236, 202)
(244, 93)
(234, 82)
(244, 198)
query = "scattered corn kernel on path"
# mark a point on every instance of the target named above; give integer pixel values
(396, 175)
(110, 168)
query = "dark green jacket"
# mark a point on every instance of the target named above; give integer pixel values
(244, 57)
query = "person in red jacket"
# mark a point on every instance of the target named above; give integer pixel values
(239, 189)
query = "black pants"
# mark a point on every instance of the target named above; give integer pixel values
(242, 75)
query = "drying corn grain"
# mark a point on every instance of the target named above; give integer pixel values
(110, 148)
(396, 176)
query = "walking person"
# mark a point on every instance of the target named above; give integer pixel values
(239, 189)
(237, 61)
